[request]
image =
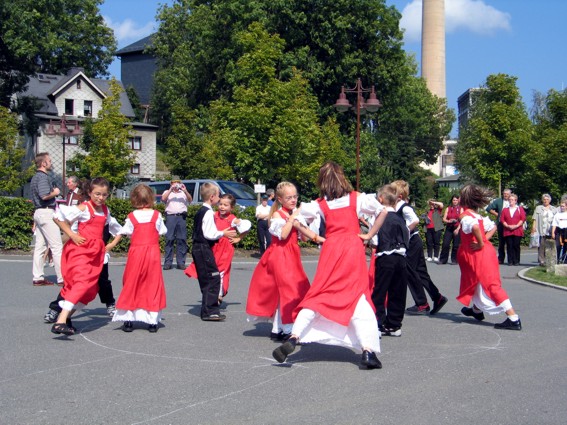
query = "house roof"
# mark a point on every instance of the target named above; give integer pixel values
(136, 47)
(447, 179)
(44, 88)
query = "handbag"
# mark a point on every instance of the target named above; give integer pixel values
(534, 240)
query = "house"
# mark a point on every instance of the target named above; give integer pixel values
(69, 99)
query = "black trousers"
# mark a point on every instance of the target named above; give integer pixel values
(501, 243)
(390, 279)
(209, 278)
(449, 238)
(433, 240)
(513, 249)
(104, 291)
(419, 280)
(264, 235)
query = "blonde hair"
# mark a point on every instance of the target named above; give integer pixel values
(389, 195)
(402, 188)
(280, 189)
(207, 190)
(142, 197)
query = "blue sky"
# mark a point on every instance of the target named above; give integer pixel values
(524, 38)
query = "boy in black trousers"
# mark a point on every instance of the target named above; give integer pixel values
(391, 266)
(205, 235)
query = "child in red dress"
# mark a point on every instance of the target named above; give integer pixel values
(223, 250)
(279, 282)
(480, 273)
(143, 293)
(83, 254)
(337, 309)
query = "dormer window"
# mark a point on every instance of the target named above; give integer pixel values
(78, 84)
(69, 107)
(88, 108)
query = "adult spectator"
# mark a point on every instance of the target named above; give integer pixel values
(262, 214)
(176, 199)
(495, 208)
(271, 195)
(48, 235)
(542, 219)
(513, 218)
(559, 231)
(74, 197)
(451, 235)
(433, 229)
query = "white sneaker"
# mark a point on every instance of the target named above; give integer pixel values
(436, 259)
(429, 259)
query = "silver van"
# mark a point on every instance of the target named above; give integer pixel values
(245, 196)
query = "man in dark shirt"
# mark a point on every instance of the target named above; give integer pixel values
(47, 233)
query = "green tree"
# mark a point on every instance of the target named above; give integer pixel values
(550, 118)
(269, 129)
(51, 36)
(12, 177)
(105, 142)
(496, 147)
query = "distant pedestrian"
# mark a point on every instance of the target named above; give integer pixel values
(262, 214)
(513, 219)
(176, 199)
(495, 208)
(451, 239)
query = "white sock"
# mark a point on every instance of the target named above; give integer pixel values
(514, 317)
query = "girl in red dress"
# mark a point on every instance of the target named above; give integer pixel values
(223, 249)
(143, 294)
(480, 273)
(83, 254)
(337, 309)
(279, 282)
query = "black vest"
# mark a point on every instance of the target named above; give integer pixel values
(198, 236)
(393, 234)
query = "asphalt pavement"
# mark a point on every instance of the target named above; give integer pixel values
(444, 369)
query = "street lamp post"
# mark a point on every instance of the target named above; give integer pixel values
(64, 131)
(362, 105)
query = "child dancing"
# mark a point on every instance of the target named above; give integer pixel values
(143, 293)
(480, 273)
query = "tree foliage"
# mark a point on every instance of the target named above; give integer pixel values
(496, 147)
(105, 142)
(51, 36)
(323, 45)
(12, 152)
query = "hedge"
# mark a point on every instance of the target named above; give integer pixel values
(16, 221)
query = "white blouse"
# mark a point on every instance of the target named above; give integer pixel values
(143, 216)
(467, 223)
(74, 215)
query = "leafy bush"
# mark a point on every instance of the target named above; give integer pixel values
(16, 222)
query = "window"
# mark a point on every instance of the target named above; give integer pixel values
(71, 140)
(88, 108)
(78, 84)
(135, 143)
(69, 107)
(135, 169)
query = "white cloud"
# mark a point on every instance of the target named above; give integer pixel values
(129, 31)
(470, 15)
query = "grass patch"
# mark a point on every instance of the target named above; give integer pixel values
(539, 273)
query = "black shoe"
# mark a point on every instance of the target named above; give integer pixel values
(167, 266)
(213, 318)
(438, 305)
(153, 328)
(276, 336)
(181, 266)
(418, 309)
(509, 324)
(370, 360)
(471, 313)
(284, 350)
(128, 326)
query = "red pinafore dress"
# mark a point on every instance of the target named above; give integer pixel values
(479, 267)
(143, 286)
(223, 252)
(342, 273)
(81, 264)
(278, 278)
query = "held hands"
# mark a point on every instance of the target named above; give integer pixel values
(476, 246)
(365, 237)
(230, 233)
(235, 240)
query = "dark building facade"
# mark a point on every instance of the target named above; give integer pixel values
(138, 67)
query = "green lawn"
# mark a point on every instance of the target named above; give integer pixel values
(539, 273)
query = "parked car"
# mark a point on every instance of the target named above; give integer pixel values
(245, 196)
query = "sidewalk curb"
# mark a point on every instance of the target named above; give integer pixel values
(521, 275)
